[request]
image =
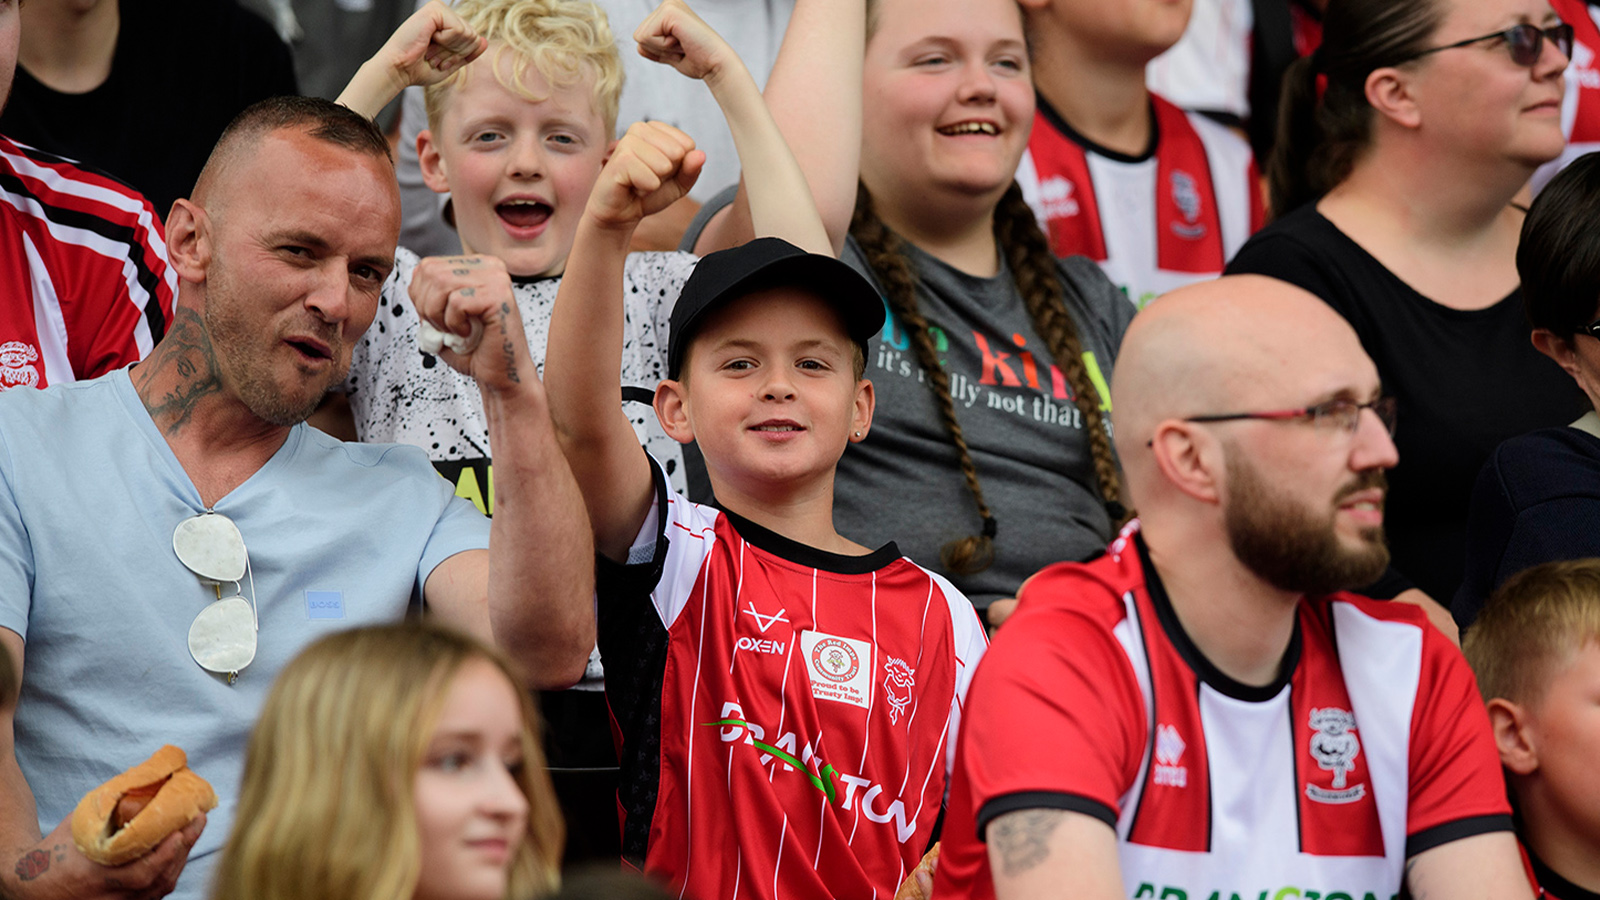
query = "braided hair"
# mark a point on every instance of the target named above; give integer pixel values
(1033, 267)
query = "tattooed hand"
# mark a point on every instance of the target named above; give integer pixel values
(469, 300)
(53, 869)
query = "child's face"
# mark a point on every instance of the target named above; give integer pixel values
(519, 172)
(1565, 725)
(471, 814)
(948, 100)
(770, 392)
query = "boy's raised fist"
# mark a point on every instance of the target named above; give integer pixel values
(651, 167)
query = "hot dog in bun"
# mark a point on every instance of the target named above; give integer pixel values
(126, 817)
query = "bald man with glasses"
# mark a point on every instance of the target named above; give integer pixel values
(1206, 710)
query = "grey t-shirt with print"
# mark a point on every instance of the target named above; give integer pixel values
(1027, 436)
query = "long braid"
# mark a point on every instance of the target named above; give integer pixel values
(883, 249)
(1035, 270)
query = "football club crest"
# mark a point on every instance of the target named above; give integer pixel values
(1334, 746)
(898, 681)
(1186, 196)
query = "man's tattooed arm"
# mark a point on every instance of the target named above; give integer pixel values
(1022, 838)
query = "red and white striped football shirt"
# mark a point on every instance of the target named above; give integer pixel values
(1370, 747)
(1155, 222)
(83, 261)
(787, 715)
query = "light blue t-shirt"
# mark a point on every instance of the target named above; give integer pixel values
(338, 535)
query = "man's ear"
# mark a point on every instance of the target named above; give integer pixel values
(672, 408)
(610, 149)
(1557, 348)
(431, 163)
(1389, 92)
(1513, 736)
(1188, 458)
(189, 240)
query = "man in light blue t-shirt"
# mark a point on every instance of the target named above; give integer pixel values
(281, 252)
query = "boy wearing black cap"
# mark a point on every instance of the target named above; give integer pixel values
(787, 699)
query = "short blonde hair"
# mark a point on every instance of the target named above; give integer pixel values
(563, 40)
(1531, 626)
(327, 808)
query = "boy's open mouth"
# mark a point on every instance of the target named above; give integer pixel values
(523, 213)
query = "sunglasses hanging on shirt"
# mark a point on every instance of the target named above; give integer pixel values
(222, 638)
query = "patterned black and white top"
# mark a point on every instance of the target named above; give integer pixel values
(400, 394)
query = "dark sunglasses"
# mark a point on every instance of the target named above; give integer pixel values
(1526, 42)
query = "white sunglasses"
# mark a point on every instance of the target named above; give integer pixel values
(222, 638)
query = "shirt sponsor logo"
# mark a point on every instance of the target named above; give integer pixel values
(898, 682)
(1334, 746)
(1055, 195)
(790, 755)
(1288, 892)
(764, 622)
(760, 645)
(1170, 770)
(17, 365)
(1186, 196)
(836, 669)
(324, 604)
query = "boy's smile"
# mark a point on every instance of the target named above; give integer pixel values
(518, 170)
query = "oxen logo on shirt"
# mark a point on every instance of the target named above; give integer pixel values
(898, 682)
(17, 367)
(1334, 746)
(1170, 770)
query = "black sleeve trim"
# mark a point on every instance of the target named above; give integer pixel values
(614, 579)
(1009, 803)
(1439, 835)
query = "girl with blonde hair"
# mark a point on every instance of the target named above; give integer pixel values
(391, 762)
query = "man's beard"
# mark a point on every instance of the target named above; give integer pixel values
(247, 358)
(1291, 547)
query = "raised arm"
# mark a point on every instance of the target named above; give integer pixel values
(430, 44)
(1481, 867)
(1053, 853)
(814, 95)
(653, 165)
(779, 199)
(534, 588)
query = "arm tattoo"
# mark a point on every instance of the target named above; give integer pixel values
(1023, 837)
(187, 351)
(32, 864)
(508, 349)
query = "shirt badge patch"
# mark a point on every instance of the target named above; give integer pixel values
(1186, 196)
(17, 365)
(1334, 746)
(898, 682)
(839, 668)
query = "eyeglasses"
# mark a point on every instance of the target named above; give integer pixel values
(1593, 328)
(1526, 42)
(222, 638)
(1341, 414)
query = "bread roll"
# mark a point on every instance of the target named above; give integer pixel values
(126, 817)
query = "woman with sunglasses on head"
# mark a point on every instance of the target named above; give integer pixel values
(1403, 141)
(394, 762)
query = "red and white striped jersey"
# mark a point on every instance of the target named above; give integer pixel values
(1155, 222)
(787, 715)
(1371, 746)
(1580, 108)
(83, 261)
